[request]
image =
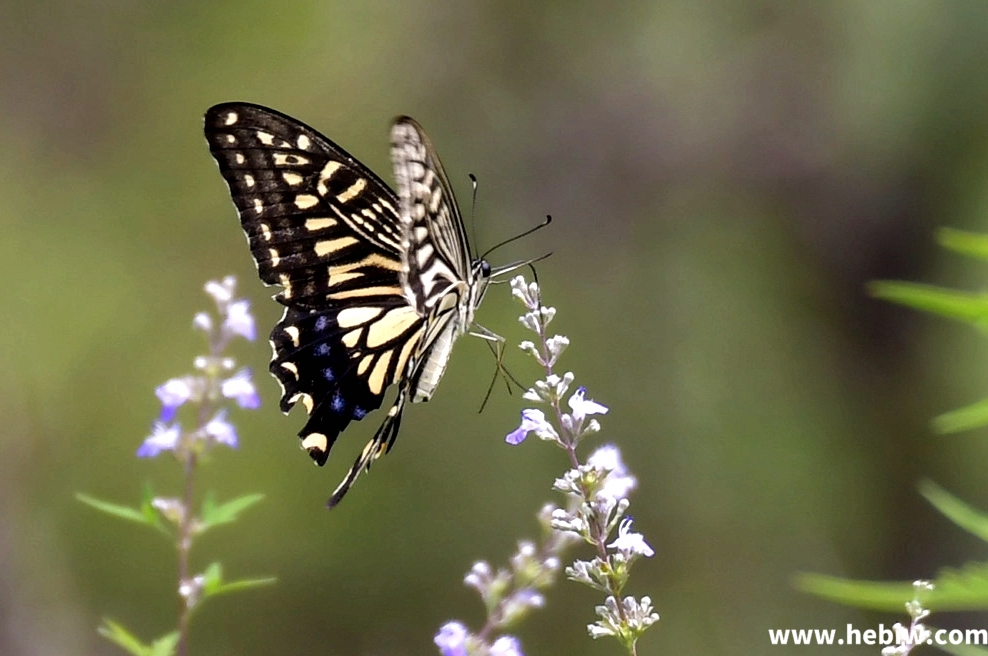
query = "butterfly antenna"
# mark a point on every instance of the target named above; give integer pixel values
(473, 206)
(548, 220)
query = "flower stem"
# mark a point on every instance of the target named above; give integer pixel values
(184, 547)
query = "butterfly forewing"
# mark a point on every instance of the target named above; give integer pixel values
(375, 285)
(436, 260)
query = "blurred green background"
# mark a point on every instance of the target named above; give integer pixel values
(724, 178)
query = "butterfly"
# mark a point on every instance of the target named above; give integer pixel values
(377, 285)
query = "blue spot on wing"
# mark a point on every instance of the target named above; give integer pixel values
(338, 403)
(359, 413)
(328, 374)
(321, 323)
(322, 349)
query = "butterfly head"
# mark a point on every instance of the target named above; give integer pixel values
(480, 278)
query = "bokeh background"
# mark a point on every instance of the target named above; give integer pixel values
(724, 177)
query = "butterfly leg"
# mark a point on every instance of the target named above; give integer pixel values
(496, 344)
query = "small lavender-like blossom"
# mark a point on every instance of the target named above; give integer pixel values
(221, 430)
(164, 437)
(506, 646)
(452, 639)
(173, 394)
(213, 365)
(532, 395)
(549, 390)
(518, 604)
(583, 572)
(202, 321)
(171, 509)
(555, 345)
(239, 320)
(191, 589)
(571, 482)
(527, 293)
(618, 482)
(582, 407)
(240, 388)
(625, 621)
(221, 291)
(480, 576)
(609, 624)
(631, 544)
(567, 522)
(532, 421)
(530, 321)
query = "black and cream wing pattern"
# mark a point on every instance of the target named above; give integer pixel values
(376, 285)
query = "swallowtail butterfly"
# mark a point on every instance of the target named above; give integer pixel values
(376, 285)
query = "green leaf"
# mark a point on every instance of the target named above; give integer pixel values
(213, 584)
(961, 589)
(148, 509)
(243, 584)
(123, 512)
(965, 516)
(961, 650)
(955, 589)
(214, 515)
(968, 307)
(862, 594)
(165, 645)
(145, 514)
(972, 244)
(123, 638)
(962, 419)
(212, 577)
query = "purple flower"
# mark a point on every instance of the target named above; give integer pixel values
(506, 646)
(221, 430)
(528, 598)
(173, 394)
(222, 292)
(619, 481)
(239, 320)
(163, 438)
(480, 577)
(631, 544)
(531, 421)
(202, 321)
(452, 639)
(240, 388)
(581, 407)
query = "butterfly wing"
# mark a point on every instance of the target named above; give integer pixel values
(435, 255)
(327, 230)
(436, 267)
